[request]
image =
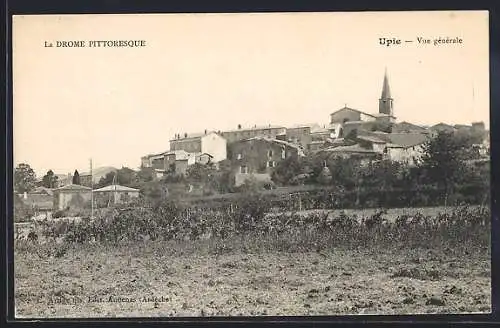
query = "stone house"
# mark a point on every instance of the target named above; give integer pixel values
(73, 197)
(260, 155)
(269, 131)
(208, 142)
(114, 194)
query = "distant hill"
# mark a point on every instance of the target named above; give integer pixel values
(99, 172)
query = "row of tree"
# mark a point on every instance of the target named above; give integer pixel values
(25, 179)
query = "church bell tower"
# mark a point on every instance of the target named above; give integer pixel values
(385, 103)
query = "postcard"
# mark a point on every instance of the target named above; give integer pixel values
(251, 164)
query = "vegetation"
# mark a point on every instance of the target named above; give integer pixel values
(24, 178)
(49, 180)
(248, 223)
(76, 178)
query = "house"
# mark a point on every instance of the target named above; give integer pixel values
(335, 130)
(406, 147)
(203, 158)
(300, 134)
(357, 126)
(355, 151)
(375, 143)
(269, 131)
(207, 142)
(315, 146)
(260, 155)
(74, 197)
(114, 194)
(40, 199)
(173, 157)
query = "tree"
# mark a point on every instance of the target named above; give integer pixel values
(49, 180)
(124, 176)
(442, 161)
(76, 178)
(286, 170)
(145, 174)
(24, 178)
(199, 172)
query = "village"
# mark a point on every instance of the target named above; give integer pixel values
(255, 152)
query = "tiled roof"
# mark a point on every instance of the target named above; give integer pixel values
(263, 127)
(74, 187)
(115, 188)
(371, 139)
(406, 140)
(352, 109)
(350, 149)
(42, 190)
(411, 125)
(441, 125)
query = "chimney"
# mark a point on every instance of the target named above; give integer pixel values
(205, 131)
(185, 135)
(239, 126)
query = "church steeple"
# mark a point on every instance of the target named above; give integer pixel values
(386, 101)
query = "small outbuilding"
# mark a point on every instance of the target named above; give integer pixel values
(115, 194)
(72, 196)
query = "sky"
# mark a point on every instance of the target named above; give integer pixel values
(215, 71)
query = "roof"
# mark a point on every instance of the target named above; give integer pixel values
(74, 187)
(371, 139)
(282, 142)
(357, 122)
(197, 135)
(443, 125)
(262, 127)
(115, 188)
(352, 109)
(408, 127)
(405, 140)
(306, 125)
(203, 154)
(350, 149)
(42, 190)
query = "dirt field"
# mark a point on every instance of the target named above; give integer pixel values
(92, 281)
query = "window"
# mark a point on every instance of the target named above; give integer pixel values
(324, 164)
(243, 169)
(271, 164)
(270, 153)
(239, 156)
(283, 154)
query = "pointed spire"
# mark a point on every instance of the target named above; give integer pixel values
(386, 91)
